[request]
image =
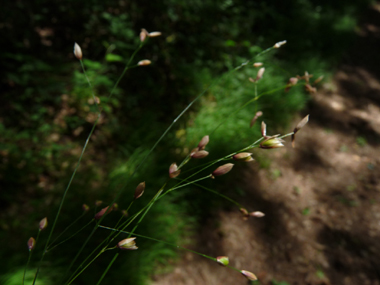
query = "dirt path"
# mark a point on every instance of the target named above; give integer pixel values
(321, 200)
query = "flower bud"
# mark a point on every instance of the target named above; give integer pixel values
(77, 51)
(199, 154)
(204, 141)
(43, 224)
(127, 244)
(249, 275)
(310, 89)
(143, 35)
(98, 203)
(279, 44)
(258, 64)
(124, 213)
(260, 73)
(263, 129)
(85, 208)
(244, 211)
(292, 81)
(31, 243)
(221, 170)
(257, 214)
(139, 190)
(144, 62)
(257, 115)
(319, 79)
(243, 156)
(154, 34)
(173, 170)
(101, 213)
(222, 260)
(271, 142)
(298, 127)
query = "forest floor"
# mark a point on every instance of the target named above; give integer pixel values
(321, 199)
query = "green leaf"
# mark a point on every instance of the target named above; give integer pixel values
(113, 57)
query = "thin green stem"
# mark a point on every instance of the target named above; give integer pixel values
(71, 281)
(70, 237)
(65, 230)
(108, 268)
(168, 243)
(26, 266)
(89, 83)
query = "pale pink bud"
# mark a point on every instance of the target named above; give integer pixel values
(292, 81)
(204, 141)
(31, 243)
(257, 115)
(263, 129)
(173, 170)
(85, 208)
(154, 34)
(77, 51)
(199, 154)
(221, 170)
(139, 190)
(258, 64)
(279, 44)
(43, 224)
(257, 214)
(101, 213)
(260, 73)
(243, 156)
(144, 62)
(143, 34)
(223, 260)
(127, 244)
(271, 142)
(249, 275)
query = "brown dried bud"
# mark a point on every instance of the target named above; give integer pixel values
(310, 89)
(143, 34)
(279, 44)
(154, 34)
(249, 275)
(204, 141)
(319, 79)
(31, 243)
(43, 224)
(257, 214)
(263, 129)
(222, 260)
(173, 170)
(257, 115)
(243, 156)
(139, 190)
(144, 62)
(85, 208)
(221, 170)
(298, 127)
(101, 213)
(199, 154)
(127, 244)
(98, 203)
(271, 142)
(244, 211)
(77, 51)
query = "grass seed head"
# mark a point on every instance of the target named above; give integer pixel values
(43, 224)
(78, 51)
(31, 243)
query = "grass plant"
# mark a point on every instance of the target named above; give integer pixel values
(116, 231)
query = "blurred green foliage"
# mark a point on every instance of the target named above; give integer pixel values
(47, 112)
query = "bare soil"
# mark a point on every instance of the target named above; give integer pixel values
(321, 200)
